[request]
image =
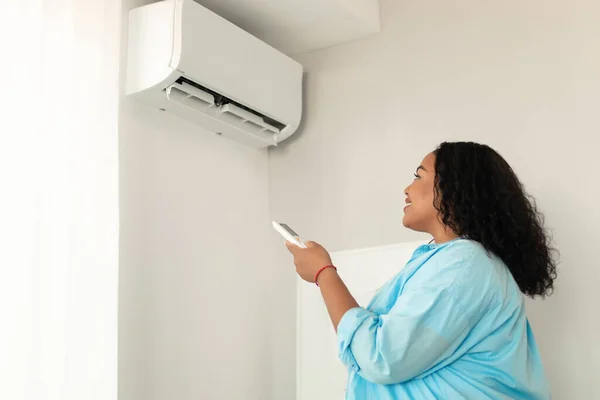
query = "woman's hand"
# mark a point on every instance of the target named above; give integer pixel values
(310, 260)
(335, 293)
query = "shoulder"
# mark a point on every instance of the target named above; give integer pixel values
(463, 250)
(472, 262)
(480, 278)
(464, 254)
(451, 263)
(465, 270)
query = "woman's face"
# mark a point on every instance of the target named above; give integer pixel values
(419, 213)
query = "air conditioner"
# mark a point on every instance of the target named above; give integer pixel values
(188, 61)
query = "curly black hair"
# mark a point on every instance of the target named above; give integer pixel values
(479, 197)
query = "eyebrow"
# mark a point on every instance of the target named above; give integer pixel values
(421, 167)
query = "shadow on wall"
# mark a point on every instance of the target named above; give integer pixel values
(296, 136)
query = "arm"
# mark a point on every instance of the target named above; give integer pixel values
(335, 293)
(338, 299)
(418, 336)
(424, 328)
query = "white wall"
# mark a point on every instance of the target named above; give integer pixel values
(198, 305)
(520, 76)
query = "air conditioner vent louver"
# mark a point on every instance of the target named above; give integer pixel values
(199, 100)
(222, 100)
(190, 96)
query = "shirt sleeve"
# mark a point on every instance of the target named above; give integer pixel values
(420, 334)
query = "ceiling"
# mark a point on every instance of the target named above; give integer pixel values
(300, 26)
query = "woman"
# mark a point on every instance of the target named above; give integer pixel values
(451, 324)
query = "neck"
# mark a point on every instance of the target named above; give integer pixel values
(443, 234)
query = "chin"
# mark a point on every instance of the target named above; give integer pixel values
(411, 224)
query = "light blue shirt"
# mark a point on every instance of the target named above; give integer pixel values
(450, 325)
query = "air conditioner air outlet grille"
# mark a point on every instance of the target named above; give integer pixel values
(221, 100)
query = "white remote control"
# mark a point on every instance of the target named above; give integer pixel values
(289, 234)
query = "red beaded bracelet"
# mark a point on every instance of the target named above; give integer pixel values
(321, 270)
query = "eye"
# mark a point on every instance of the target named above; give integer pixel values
(417, 176)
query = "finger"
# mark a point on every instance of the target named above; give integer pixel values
(310, 244)
(291, 247)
